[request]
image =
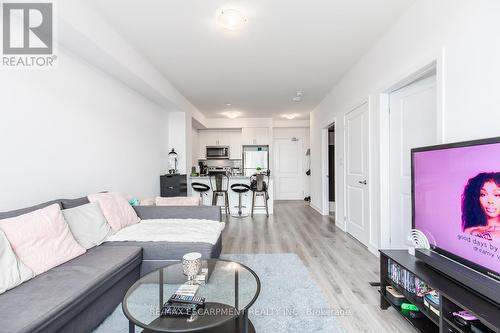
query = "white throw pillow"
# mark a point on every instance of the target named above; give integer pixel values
(87, 224)
(12, 271)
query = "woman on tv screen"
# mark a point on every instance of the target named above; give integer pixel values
(481, 206)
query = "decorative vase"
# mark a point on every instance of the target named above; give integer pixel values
(191, 265)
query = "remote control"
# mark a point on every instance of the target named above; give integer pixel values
(177, 298)
(178, 309)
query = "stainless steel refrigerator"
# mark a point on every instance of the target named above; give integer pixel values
(255, 157)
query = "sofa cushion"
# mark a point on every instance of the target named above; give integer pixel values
(64, 203)
(160, 254)
(171, 230)
(87, 224)
(183, 212)
(50, 300)
(72, 203)
(12, 271)
(22, 211)
(115, 207)
(41, 239)
(167, 250)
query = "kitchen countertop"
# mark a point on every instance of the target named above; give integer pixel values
(233, 197)
(230, 177)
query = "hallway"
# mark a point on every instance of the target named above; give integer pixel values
(341, 266)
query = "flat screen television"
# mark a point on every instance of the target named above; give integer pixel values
(456, 204)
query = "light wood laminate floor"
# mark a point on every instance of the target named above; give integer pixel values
(340, 265)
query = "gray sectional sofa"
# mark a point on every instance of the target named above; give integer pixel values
(79, 294)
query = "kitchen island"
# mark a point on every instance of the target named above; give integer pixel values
(246, 199)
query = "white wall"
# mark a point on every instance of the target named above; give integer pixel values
(195, 146)
(99, 121)
(178, 134)
(463, 34)
(238, 122)
(74, 130)
(251, 122)
(83, 30)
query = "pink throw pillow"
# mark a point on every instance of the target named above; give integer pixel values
(147, 202)
(178, 201)
(116, 209)
(41, 239)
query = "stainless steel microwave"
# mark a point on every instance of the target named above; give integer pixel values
(217, 152)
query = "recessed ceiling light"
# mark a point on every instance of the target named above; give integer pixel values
(231, 19)
(231, 114)
(228, 104)
(290, 116)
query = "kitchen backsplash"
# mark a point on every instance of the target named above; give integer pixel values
(223, 163)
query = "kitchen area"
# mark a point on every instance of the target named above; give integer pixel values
(237, 154)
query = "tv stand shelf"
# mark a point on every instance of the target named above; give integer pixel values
(453, 296)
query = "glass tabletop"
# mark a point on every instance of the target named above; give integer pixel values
(230, 289)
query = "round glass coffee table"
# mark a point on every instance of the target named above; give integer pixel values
(230, 290)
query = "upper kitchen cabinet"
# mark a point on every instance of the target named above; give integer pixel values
(230, 138)
(255, 136)
(235, 145)
(208, 138)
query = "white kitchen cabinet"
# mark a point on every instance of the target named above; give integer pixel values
(208, 138)
(235, 145)
(255, 136)
(215, 137)
(231, 138)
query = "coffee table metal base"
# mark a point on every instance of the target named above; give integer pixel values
(235, 325)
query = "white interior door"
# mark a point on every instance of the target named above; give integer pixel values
(356, 172)
(288, 169)
(413, 123)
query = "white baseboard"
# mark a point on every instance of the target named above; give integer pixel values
(374, 251)
(315, 208)
(340, 226)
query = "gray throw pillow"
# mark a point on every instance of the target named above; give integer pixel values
(12, 271)
(88, 225)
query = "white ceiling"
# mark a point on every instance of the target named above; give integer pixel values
(287, 45)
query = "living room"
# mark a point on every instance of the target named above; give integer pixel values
(277, 146)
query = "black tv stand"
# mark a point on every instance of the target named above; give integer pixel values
(453, 296)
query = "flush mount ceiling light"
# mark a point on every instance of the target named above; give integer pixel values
(231, 114)
(290, 116)
(231, 19)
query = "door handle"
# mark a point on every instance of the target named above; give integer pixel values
(362, 182)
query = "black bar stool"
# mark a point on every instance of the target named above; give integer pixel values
(240, 189)
(259, 188)
(220, 184)
(201, 189)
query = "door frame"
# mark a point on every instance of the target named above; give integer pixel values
(436, 66)
(369, 175)
(325, 204)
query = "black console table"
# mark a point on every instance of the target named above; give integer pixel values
(173, 185)
(453, 296)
